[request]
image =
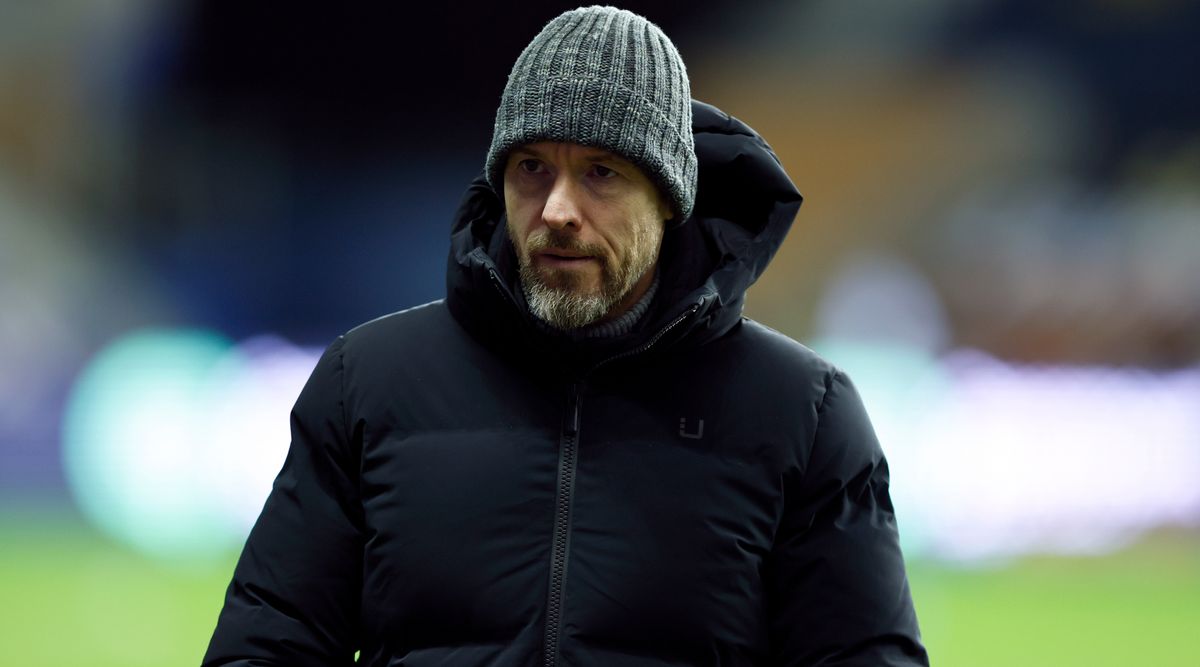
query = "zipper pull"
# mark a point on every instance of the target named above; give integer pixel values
(572, 426)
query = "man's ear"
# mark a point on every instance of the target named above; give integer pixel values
(665, 210)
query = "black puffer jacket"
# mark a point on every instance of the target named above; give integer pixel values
(465, 489)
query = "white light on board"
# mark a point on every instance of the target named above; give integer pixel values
(171, 438)
(991, 460)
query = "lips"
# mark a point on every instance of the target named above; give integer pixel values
(563, 255)
(554, 250)
(563, 258)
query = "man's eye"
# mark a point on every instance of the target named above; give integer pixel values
(602, 171)
(530, 165)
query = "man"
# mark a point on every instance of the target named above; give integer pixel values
(584, 454)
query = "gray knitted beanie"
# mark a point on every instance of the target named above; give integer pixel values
(608, 78)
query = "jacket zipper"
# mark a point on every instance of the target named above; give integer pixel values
(568, 457)
(567, 461)
(565, 489)
(499, 285)
(650, 343)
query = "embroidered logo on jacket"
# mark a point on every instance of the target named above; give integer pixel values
(694, 435)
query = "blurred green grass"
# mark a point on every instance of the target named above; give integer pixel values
(73, 597)
(1140, 606)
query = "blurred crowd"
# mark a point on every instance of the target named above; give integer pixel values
(1013, 180)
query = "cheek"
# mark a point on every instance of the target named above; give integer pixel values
(521, 211)
(645, 233)
(519, 222)
(518, 234)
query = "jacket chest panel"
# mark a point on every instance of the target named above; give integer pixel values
(672, 520)
(457, 530)
(667, 549)
(673, 505)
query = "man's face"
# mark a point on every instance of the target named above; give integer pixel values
(587, 226)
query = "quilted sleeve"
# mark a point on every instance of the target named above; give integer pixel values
(838, 594)
(295, 595)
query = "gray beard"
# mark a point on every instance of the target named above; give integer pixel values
(563, 308)
(556, 299)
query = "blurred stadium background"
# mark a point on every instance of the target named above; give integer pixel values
(1000, 242)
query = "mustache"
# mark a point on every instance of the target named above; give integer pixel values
(555, 239)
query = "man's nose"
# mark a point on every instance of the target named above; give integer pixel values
(562, 205)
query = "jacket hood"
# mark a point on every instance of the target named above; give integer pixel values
(745, 205)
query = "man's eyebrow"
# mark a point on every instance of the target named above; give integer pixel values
(528, 151)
